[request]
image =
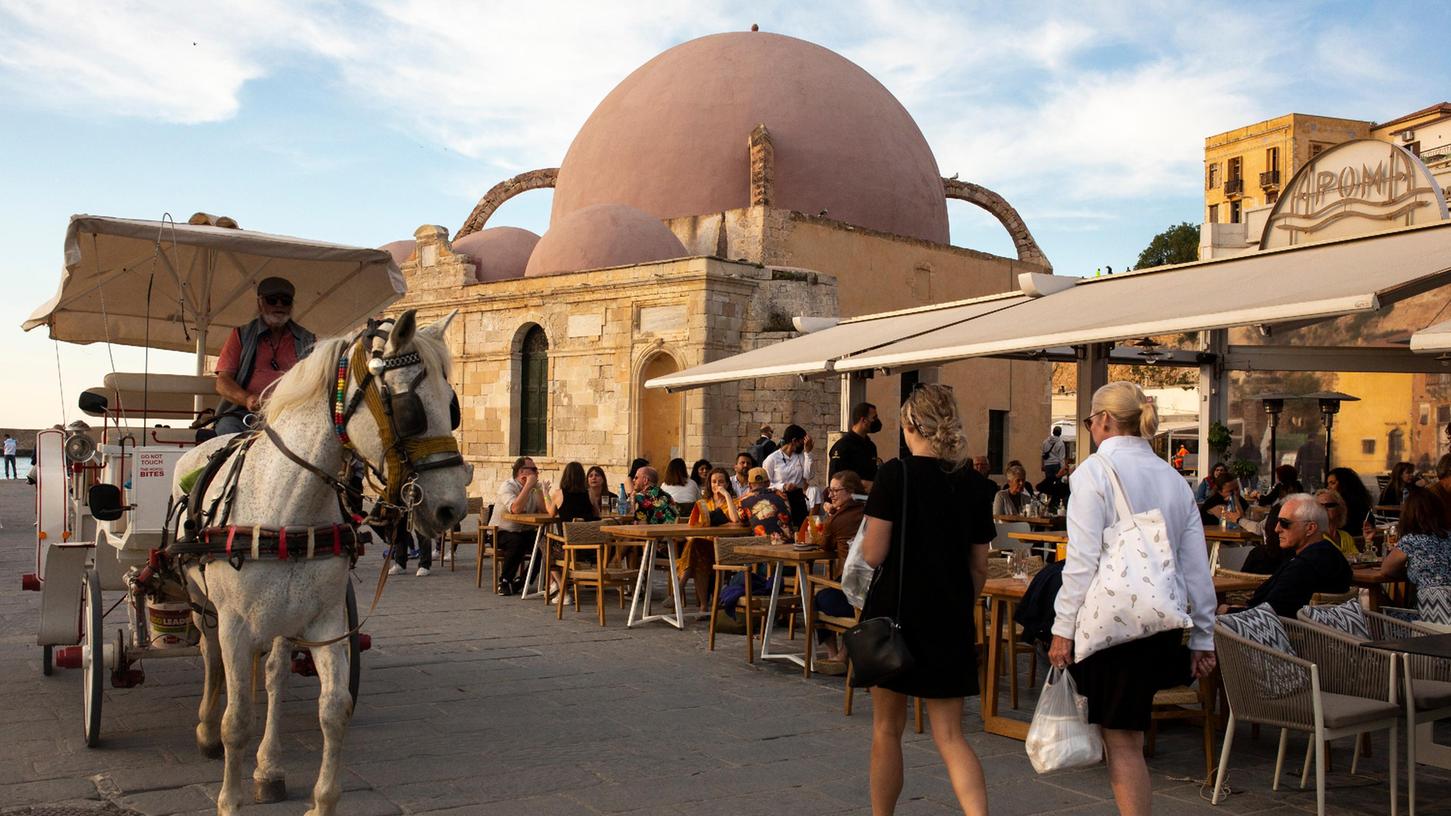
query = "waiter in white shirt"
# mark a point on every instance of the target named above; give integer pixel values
(789, 470)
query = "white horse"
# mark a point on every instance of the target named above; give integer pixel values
(267, 602)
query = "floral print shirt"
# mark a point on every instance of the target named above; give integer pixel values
(654, 506)
(767, 512)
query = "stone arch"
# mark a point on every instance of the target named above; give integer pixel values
(503, 191)
(1028, 249)
(657, 428)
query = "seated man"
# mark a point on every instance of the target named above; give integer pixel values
(652, 504)
(521, 494)
(258, 354)
(1317, 565)
(766, 511)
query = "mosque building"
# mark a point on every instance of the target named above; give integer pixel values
(728, 186)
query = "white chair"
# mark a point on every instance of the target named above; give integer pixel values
(1231, 558)
(1003, 542)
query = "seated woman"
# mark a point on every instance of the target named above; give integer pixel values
(600, 496)
(1335, 507)
(1224, 504)
(1206, 487)
(678, 484)
(568, 502)
(1423, 555)
(1287, 482)
(846, 512)
(1014, 499)
(700, 474)
(717, 509)
(1403, 478)
(1352, 490)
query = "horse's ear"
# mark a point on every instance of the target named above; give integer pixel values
(439, 328)
(401, 337)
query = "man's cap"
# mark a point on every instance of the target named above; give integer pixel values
(766, 429)
(757, 475)
(275, 286)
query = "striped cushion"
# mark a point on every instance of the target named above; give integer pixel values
(1434, 604)
(1261, 625)
(1347, 617)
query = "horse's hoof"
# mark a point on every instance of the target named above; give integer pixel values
(212, 751)
(267, 791)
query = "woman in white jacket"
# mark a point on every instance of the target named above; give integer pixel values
(1121, 680)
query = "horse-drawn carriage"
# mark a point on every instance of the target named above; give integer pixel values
(237, 547)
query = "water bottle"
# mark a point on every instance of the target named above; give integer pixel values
(625, 501)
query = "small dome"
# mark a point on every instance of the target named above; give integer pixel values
(400, 250)
(671, 138)
(498, 253)
(601, 236)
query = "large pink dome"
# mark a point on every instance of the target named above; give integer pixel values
(498, 253)
(671, 139)
(601, 236)
(400, 250)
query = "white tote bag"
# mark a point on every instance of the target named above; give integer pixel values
(1138, 590)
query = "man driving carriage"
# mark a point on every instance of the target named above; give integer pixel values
(258, 354)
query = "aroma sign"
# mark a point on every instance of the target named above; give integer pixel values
(1355, 188)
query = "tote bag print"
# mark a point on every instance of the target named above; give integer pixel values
(1137, 591)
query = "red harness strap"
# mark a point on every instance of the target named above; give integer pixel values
(337, 540)
(282, 543)
(231, 535)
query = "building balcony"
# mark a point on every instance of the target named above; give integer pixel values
(1234, 187)
(1270, 179)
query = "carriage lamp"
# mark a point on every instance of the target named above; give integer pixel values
(1329, 407)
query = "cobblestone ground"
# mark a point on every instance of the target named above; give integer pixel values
(477, 704)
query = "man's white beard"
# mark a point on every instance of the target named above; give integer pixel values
(274, 322)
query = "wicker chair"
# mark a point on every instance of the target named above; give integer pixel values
(1426, 681)
(576, 538)
(1265, 686)
(729, 561)
(465, 532)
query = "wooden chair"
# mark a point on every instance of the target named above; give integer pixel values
(998, 568)
(1185, 703)
(488, 541)
(816, 620)
(576, 538)
(465, 532)
(729, 561)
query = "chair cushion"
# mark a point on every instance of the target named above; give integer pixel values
(833, 620)
(1434, 604)
(1261, 625)
(1347, 617)
(1343, 710)
(1431, 694)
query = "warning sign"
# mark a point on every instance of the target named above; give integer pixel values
(150, 465)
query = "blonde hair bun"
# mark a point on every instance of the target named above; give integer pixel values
(1131, 409)
(932, 410)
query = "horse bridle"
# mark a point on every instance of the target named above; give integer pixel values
(399, 415)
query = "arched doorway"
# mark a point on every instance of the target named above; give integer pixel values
(658, 420)
(533, 415)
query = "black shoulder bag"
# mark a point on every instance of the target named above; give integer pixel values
(877, 650)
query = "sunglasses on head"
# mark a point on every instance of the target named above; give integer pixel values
(278, 300)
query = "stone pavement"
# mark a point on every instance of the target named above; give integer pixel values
(476, 704)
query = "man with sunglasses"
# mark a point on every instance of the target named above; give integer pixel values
(1317, 565)
(258, 354)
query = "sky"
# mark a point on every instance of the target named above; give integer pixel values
(356, 123)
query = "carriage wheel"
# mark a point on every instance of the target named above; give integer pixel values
(93, 660)
(47, 660)
(355, 665)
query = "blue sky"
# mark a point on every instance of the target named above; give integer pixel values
(357, 123)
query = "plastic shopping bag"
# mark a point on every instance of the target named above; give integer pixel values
(856, 575)
(1060, 736)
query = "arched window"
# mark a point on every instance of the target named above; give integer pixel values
(534, 393)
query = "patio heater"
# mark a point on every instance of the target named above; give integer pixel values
(1274, 405)
(1329, 407)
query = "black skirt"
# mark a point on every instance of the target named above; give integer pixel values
(1120, 682)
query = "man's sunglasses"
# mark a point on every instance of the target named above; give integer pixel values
(278, 300)
(1284, 522)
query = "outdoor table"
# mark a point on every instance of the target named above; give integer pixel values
(1002, 593)
(1046, 522)
(1236, 536)
(1383, 591)
(540, 522)
(1053, 539)
(783, 555)
(1428, 751)
(650, 536)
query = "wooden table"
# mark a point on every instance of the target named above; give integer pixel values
(650, 535)
(1236, 536)
(539, 555)
(1383, 591)
(1002, 593)
(1052, 540)
(1046, 522)
(783, 555)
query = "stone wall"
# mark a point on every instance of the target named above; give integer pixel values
(603, 326)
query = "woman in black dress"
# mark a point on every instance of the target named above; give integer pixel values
(942, 564)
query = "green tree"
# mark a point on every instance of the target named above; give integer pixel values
(1177, 244)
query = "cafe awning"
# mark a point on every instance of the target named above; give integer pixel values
(1434, 339)
(814, 354)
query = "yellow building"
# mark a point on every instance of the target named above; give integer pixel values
(1244, 168)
